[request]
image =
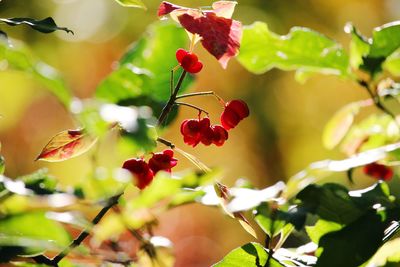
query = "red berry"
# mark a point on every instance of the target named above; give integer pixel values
(190, 129)
(140, 170)
(378, 171)
(188, 61)
(234, 112)
(220, 135)
(163, 161)
(240, 107)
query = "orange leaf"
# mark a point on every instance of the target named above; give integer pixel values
(65, 145)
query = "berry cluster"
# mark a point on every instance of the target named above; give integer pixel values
(144, 172)
(378, 171)
(199, 130)
(196, 131)
(188, 61)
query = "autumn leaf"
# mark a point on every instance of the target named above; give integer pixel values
(219, 34)
(65, 145)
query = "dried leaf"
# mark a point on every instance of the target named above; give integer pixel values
(65, 145)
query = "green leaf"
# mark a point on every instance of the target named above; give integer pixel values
(268, 221)
(319, 170)
(33, 225)
(249, 255)
(302, 49)
(392, 63)
(339, 125)
(388, 254)
(385, 40)
(18, 57)
(359, 46)
(46, 25)
(370, 54)
(354, 244)
(372, 132)
(321, 228)
(330, 202)
(143, 75)
(131, 3)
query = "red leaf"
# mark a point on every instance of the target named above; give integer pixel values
(66, 145)
(165, 8)
(220, 36)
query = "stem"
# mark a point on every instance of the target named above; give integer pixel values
(202, 94)
(191, 106)
(165, 142)
(167, 108)
(376, 99)
(171, 82)
(85, 233)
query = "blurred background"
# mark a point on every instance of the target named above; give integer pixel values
(281, 137)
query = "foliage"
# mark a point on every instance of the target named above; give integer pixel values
(138, 100)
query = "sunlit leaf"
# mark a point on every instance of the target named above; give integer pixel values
(2, 164)
(66, 145)
(372, 132)
(359, 46)
(392, 63)
(338, 126)
(302, 49)
(268, 221)
(46, 25)
(32, 225)
(321, 228)
(131, 3)
(18, 57)
(321, 169)
(246, 199)
(249, 255)
(370, 54)
(388, 253)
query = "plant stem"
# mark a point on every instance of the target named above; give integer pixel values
(203, 94)
(191, 106)
(82, 236)
(165, 142)
(376, 99)
(167, 108)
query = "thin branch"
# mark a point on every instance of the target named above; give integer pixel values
(76, 242)
(167, 108)
(377, 100)
(171, 82)
(165, 142)
(191, 106)
(212, 93)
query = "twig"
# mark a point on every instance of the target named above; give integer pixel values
(165, 142)
(167, 108)
(212, 93)
(82, 236)
(376, 99)
(191, 106)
